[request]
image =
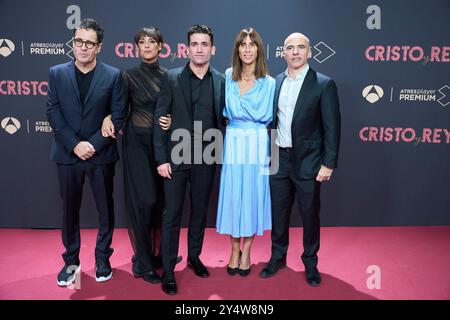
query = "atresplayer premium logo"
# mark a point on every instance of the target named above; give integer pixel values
(6, 47)
(42, 126)
(321, 52)
(10, 125)
(441, 95)
(52, 48)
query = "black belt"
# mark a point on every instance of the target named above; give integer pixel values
(288, 149)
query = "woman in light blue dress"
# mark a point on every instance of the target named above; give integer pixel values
(244, 207)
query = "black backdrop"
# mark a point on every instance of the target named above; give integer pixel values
(394, 159)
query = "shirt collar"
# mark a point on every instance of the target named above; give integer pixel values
(192, 74)
(300, 75)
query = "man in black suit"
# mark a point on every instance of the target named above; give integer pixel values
(80, 95)
(193, 95)
(307, 119)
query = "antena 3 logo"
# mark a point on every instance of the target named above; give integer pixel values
(372, 93)
(10, 125)
(394, 53)
(130, 50)
(6, 47)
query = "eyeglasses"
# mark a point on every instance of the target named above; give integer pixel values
(79, 43)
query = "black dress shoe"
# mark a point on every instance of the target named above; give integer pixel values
(313, 277)
(198, 267)
(272, 268)
(152, 277)
(169, 285)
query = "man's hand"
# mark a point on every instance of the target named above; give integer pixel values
(84, 150)
(108, 127)
(324, 174)
(165, 170)
(165, 122)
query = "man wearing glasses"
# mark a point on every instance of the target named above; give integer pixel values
(81, 93)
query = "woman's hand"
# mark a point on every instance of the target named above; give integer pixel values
(108, 127)
(165, 122)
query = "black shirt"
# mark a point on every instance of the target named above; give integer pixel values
(202, 100)
(84, 82)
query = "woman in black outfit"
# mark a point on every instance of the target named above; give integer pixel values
(144, 197)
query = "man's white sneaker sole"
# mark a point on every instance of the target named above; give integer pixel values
(70, 280)
(103, 279)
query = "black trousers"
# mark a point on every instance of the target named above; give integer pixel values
(283, 187)
(71, 181)
(200, 177)
(144, 197)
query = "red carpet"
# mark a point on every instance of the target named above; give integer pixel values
(414, 264)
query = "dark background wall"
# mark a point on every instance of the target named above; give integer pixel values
(380, 181)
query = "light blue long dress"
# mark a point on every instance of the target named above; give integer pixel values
(244, 207)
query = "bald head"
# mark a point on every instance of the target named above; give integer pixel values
(296, 36)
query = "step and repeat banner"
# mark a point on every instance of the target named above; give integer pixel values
(390, 60)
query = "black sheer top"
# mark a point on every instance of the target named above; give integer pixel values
(141, 89)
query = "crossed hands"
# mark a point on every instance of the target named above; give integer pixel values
(84, 150)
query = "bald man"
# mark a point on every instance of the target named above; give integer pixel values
(307, 119)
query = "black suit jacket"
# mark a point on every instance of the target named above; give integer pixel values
(175, 99)
(316, 123)
(72, 123)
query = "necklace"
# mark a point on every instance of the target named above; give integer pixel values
(247, 78)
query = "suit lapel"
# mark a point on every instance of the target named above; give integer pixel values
(305, 91)
(185, 85)
(279, 81)
(73, 79)
(94, 82)
(217, 92)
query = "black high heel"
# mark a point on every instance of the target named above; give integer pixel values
(234, 271)
(244, 272)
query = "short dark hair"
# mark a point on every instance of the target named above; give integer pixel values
(90, 24)
(200, 28)
(152, 32)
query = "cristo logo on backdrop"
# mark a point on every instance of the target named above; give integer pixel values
(10, 125)
(6, 47)
(130, 50)
(372, 93)
(23, 87)
(397, 134)
(403, 53)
